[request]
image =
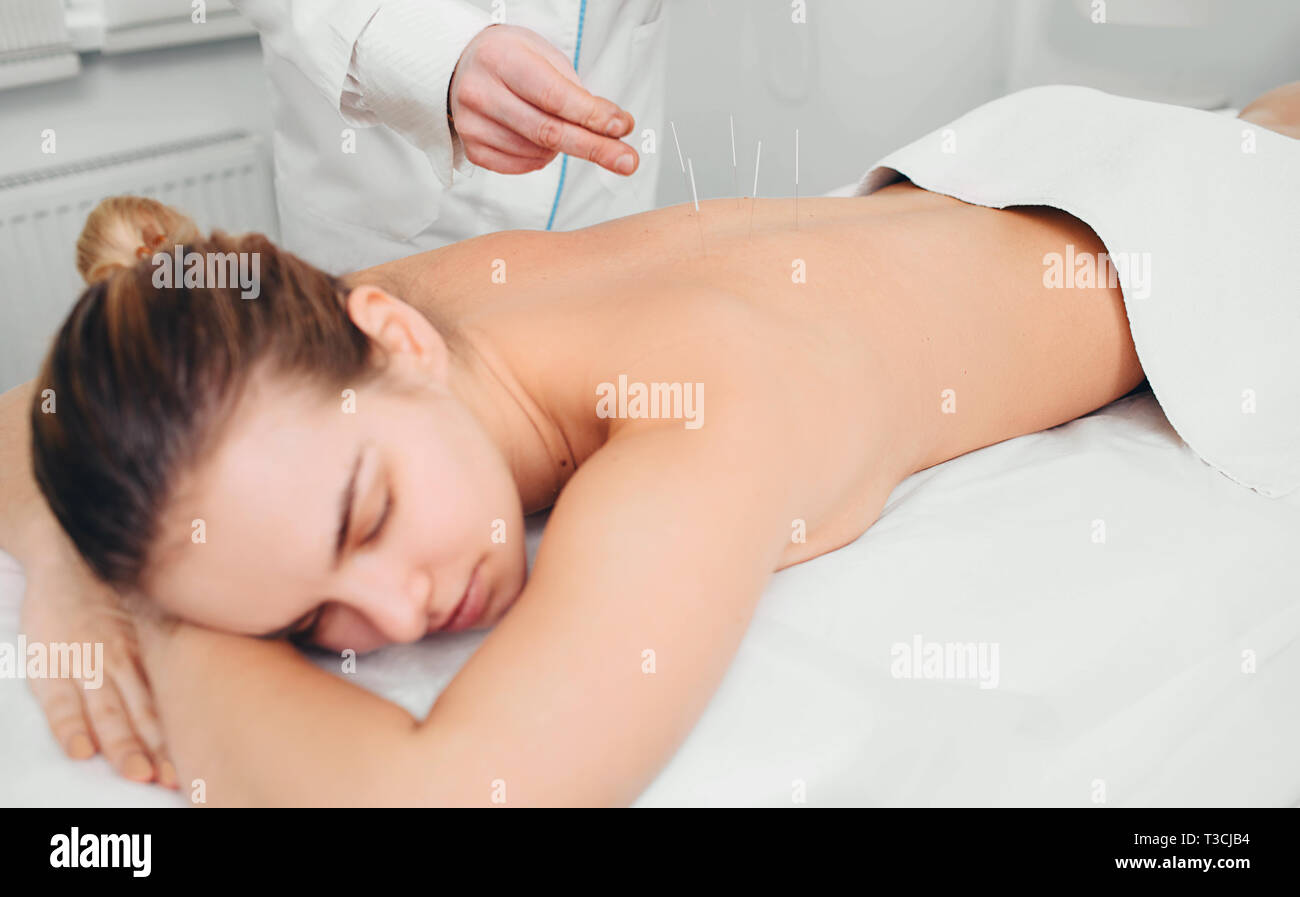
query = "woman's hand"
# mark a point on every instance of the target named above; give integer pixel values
(64, 603)
(516, 101)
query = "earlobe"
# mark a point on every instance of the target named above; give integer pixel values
(400, 331)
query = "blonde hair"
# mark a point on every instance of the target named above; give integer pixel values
(122, 230)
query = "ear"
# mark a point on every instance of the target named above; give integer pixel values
(405, 335)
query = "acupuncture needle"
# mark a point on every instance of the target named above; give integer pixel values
(758, 157)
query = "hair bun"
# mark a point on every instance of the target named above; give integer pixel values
(122, 230)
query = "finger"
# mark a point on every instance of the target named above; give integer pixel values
(121, 746)
(138, 700)
(495, 160)
(531, 77)
(137, 694)
(483, 130)
(60, 699)
(138, 697)
(626, 122)
(554, 57)
(167, 776)
(555, 134)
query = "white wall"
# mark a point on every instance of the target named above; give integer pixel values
(857, 80)
(1193, 52)
(133, 100)
(862, 77)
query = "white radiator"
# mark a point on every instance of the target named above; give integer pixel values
(223, 181)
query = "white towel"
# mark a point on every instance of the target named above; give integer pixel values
(1211, 203)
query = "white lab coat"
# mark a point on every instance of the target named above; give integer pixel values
(367, 169)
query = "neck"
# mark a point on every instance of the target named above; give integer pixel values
(529, 438)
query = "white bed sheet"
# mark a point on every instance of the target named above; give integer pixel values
(1121, 663)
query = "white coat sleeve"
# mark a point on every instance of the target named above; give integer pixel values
(379, 61)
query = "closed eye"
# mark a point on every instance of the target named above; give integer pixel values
(377, 529)
(299, 629)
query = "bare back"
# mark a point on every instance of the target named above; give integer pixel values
(874, 337)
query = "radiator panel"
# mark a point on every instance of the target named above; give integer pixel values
(223, 181)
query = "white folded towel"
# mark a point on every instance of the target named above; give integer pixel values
(1205, 209)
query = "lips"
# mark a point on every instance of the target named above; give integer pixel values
(471, 605)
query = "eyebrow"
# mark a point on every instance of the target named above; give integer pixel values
(345, 509)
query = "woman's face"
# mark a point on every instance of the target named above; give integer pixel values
(354, 520)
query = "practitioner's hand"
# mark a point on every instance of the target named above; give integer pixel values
(516, 101)
(65, 603)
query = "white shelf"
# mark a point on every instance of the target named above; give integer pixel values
(128, 26)
(37, 70)
(174, 33)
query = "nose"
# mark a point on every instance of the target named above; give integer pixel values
(400, 611)
(419, 590)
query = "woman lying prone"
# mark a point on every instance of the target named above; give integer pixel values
(348, 462)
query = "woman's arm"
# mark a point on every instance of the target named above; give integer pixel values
(27, 528)
(645, 582)
(64, 602)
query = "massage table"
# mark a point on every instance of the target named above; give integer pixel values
(1155, 668)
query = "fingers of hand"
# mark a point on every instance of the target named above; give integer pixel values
(495, 160)
(60, 699)
(112, 728)
(138, 701)
(479, 131)
(557, 135)
(534, 79)
(554, 57)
